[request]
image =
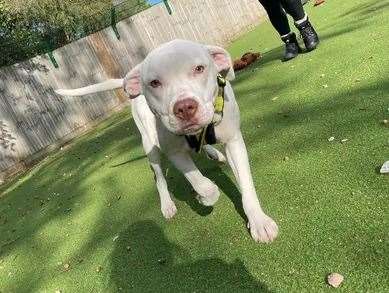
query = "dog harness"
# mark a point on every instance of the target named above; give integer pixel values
(207, 134)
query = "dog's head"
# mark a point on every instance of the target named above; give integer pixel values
(179, 81)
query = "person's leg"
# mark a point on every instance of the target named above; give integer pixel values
(276, 11)
(295, 9)
(279, 20)
(277, 16)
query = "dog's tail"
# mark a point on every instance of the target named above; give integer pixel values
(109, 84)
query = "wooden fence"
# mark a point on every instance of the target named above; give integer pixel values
(34, 120)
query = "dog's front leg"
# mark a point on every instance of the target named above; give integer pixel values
(207, 191)
(262, 227)
(168, 208)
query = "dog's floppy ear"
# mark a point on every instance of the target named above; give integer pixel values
(222, 60)
(132, 83)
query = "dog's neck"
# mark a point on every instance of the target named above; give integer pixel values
(207, 134)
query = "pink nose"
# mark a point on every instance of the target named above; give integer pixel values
(185, 109)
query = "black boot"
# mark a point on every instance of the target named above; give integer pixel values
(292, 47)
(309, 35)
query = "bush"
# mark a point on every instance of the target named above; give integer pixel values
(29, 28)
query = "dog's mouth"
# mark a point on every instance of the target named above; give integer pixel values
(195, 125)
(191, 128)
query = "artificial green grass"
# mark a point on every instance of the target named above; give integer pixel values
(87, 219)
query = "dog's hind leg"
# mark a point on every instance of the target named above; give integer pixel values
(214, 154)
(208, 192)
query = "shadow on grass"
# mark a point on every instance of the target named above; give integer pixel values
(55, 190)
(347, 114)
(367, 9)
(144, 260)
(129, 161)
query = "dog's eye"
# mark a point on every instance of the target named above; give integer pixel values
(155, 83)
(199, 69)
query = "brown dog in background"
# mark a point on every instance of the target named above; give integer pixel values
(246, 60)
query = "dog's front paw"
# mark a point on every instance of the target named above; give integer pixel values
(209, 194)
(168, 209)
(262, 228)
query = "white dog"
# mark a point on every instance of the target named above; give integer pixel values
(181, 99)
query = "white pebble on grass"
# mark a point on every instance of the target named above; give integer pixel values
(335, 279)
(385, 168)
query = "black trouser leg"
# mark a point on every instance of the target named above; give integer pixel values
(277, 16)
(294, 8)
